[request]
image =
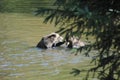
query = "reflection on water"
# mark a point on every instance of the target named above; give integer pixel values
(21, 60)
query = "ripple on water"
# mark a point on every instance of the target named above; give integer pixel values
(13, 69)
(53, 72)
(5, 64)
(44, 64)
(74, 60)
(9, 42)
(47, 59)
(1, 59)
(16, 74)
(21, 65)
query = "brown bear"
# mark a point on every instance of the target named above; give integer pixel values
(55, 40)
(74, 42)
(51, 40)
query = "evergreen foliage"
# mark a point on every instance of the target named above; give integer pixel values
(98, 18)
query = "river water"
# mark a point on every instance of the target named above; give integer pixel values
(21, 60)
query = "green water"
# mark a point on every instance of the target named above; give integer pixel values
(21, 60)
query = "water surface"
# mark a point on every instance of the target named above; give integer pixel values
(21, 60)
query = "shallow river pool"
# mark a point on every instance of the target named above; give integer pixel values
(21, 60)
